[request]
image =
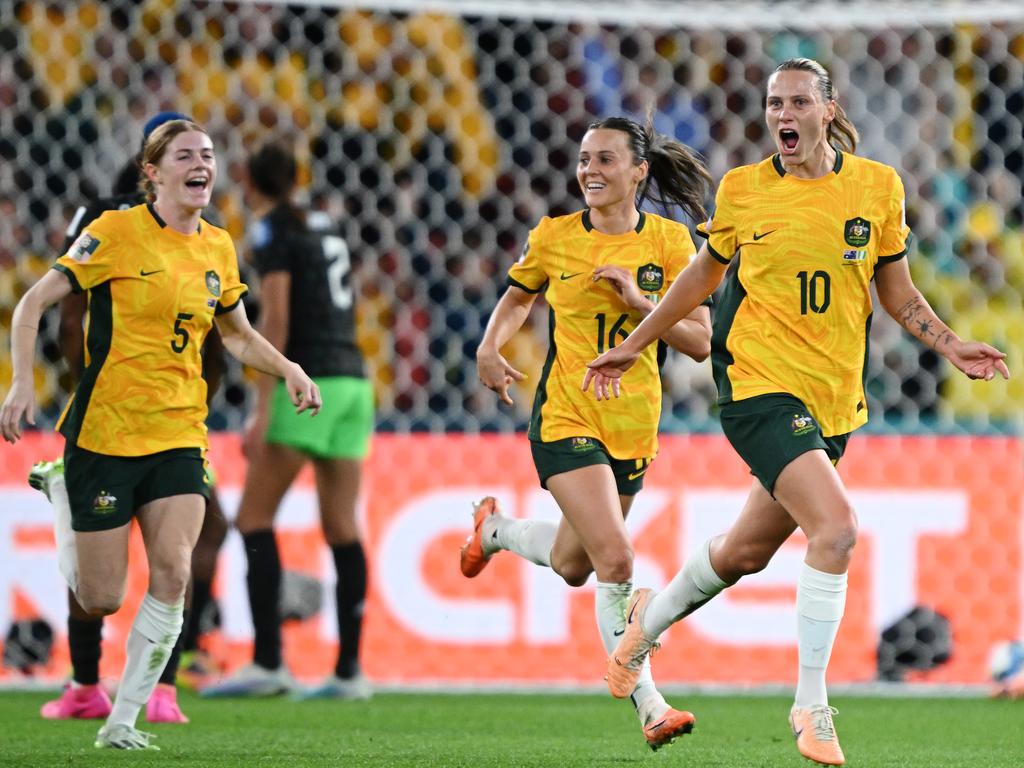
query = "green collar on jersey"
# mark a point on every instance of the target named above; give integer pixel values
(589, 227)
(777, 162)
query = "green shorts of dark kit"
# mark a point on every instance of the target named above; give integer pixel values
(105, 491)
(769, 431)
(560, 456)
(341, 430)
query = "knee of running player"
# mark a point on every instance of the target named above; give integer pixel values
(100, 599)
(613, 561)
(169, 570)
(573, 571)
(833, 539)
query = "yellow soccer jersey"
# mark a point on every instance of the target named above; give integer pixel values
(153, 293)
(795, 314)
(588, 317)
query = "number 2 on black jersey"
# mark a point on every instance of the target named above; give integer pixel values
(339, 266)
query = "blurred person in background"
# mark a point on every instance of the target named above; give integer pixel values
(307, 311)
(814, 225)
(157, 277)
(602, 270)
(84, 697)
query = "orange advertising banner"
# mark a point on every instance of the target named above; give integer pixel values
(940, 526)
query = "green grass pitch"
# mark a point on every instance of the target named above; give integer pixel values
(485, 730)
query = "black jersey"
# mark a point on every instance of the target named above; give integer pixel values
(321, 322)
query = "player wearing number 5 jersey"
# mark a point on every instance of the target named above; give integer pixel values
(802, 236)
(157, 278)
(601, 270)
(307, 311)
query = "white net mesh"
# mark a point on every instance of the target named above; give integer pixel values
(439, 139)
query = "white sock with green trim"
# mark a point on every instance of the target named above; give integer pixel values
(152, 637)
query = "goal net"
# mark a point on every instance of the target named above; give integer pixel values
(439, 132)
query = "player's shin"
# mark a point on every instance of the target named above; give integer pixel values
(820, 602)
(530, 539)
(67, 555)
(152, 637)
(693, 586)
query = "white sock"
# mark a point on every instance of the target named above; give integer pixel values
(152, 637)
(531, 539)
(610, 603)
(693, 586)
(820, 600)
(64, 536)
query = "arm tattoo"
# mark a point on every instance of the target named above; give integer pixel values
(916, 316)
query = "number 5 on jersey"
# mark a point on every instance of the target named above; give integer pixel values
(180, 341)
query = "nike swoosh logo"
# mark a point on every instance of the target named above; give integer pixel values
(763, 234)
(797, 733)
(656, 725)
(144, 273)
(618, 632)
(564, 276)
(635, 475)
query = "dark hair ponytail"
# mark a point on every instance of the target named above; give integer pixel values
(676, 175)
(842, 134)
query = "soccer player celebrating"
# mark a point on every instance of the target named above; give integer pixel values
(158, 277)
(84, 697)
(602, 270)
(307, 310)
(806, 231)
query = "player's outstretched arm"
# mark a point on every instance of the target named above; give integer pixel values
(691, 335)
(693, 286)
(250, 348)
(902, 300)
(508, 317)
(20, 402)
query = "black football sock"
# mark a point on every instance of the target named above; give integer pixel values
(264, 583)
(350, 593)
(84, 639)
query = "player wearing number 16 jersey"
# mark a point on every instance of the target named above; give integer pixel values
(602, 270)
(802, 234)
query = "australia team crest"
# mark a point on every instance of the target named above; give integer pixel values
(650, 278)
(213, 283)
(857, 232)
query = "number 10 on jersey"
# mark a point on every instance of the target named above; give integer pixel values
(815, 291)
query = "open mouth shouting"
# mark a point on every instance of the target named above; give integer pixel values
(788, 140)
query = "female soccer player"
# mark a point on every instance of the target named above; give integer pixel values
(602, 270)
(157, 278)
(307, 311)
(808, 229)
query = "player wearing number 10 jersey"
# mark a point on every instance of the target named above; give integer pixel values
(803, 234)
(796, 311)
